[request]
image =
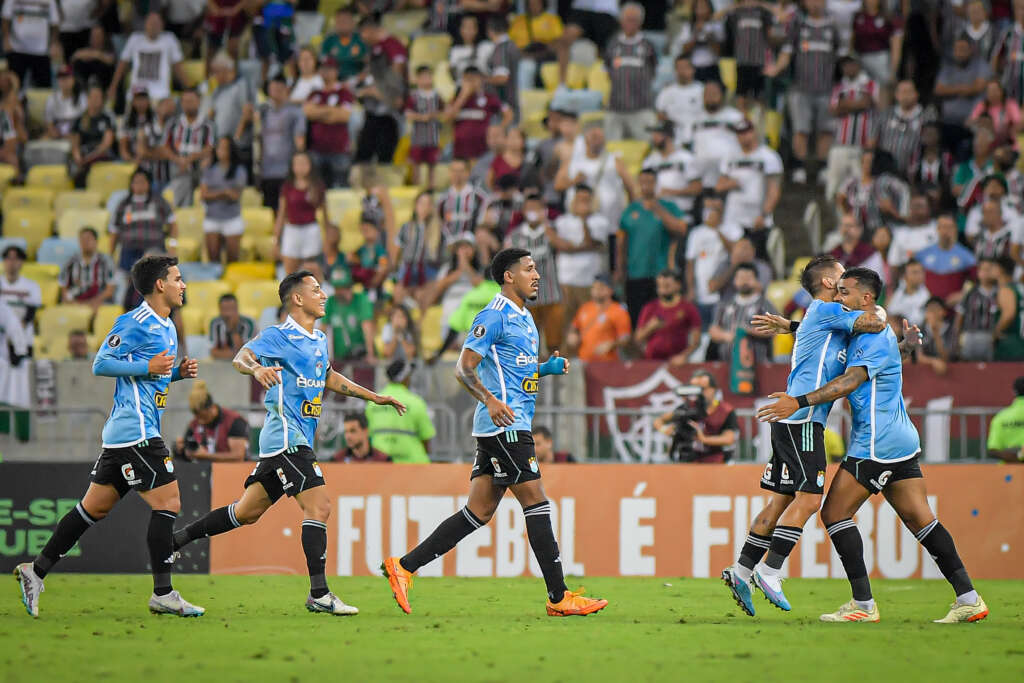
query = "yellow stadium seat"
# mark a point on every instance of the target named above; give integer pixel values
(533, 101)
(782, 345)
(631, 151)
(403, 196)
(196, 319)
(57, 321)
(7, 175)
(405, 22)
(443, 82)
(259, 220)
(430, 331)
(70, 222)
(388, 176)
(32, 226)
(105, 243)
(442, 176)
(194, 72)
(598, 79)
(256, 295)
(251, 197)
(798, 268)
(773, 128)
(76, 199)
(401, 156)
(351, 235)
(727, 69)
(533, 126)
(588, 116)
(340, 201)
(429, 49)
(108, 176)
(49, 291)
(258, 247)
(37, 107)
(780, 292)
(190, 222)
(28, 199)
(575, 76)
(41, 272)
(106, 316)
(243, 271)
(329, 7)
(189, 249)
(45, 347)
(205, 294)
(51, 176)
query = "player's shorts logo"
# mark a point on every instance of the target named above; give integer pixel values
(128, 472)
(767, 476)
(784, 477)
(883, 479)
(479, 331)
(169, 464)
(284, 480)
(160, 398)
(113, 341)
(821, 478)
(533, 464)
(316, 468)
(531, 384)
(497, 468)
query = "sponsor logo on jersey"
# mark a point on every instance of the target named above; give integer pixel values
(113, 341)
(531, 384)
(160, 398)
(523, 360)
(304, 382)
(128, 472)
(293, 337)
(841, 355)
(784, 477)
(312, 408)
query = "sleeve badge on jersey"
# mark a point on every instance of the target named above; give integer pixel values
(113, 341)
(479, 331)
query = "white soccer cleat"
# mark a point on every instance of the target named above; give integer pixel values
(31, 586)
(173, 603)
(330, 604)
(959, 614)
(851, 612)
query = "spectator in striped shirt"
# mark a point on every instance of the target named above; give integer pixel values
(188, 146)
(503, 63)
(877, 196)
(328, 111)
(811, 47)
(424, 109)
(853, 104)
(1008, 55)
(748, 26)
(532, 235)
(898, 131)
(968, 175)
(462, 207)
(631, 60)
(151, 141)
(229, 330)
(417, 255)
(142, 222)
(92, 137)
(997, 238)
(977, 313)
(933, 170)
(88, 277)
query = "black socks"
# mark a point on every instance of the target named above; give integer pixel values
(214, 522)
(70, 528)
(542, 540)
(314, 545)
(445, 536)
(159, 538)
(784, 538)
(753, 549)
(939, 544)
(848, 543)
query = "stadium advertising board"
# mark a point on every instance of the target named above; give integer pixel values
(615, 520)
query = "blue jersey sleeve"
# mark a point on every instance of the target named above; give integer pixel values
(486, 330)
(112, 358)
(869, 351)
(267, 344)
(836, 317)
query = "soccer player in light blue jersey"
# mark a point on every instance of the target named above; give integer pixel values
(795, 475)
(139, 353)
(882, 458)
(499, 368)
(291, 362)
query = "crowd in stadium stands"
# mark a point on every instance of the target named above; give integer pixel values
(392, 147)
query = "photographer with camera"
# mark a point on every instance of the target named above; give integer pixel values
(703, 428)
(216, 434)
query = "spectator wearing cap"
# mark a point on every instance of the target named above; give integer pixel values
(281, 127)
(503, 63)
(948, 265)
(357, 442)
(752, 181)
(188, 146)
(681, 102)
(532, 234)
(707, 248)
(345, 44)
(852, 105)
(230, 107)
(679, 179)
(462, 207)
(736, 310)
(348, 317)
(92, 136)
(328, 111)
(382, 94)
(230, 329)
(153, 56)
(852, 251)
(423, 110)
(645, 241)
(29, 29)
(957, 87)
(713, 138)
(668, 327)
(580, 240)
(472, 111)
(631, 60)
(406, 438)
(64, 105)
(601, 326)
(88, 276)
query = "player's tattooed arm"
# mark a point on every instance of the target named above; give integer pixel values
(869, 322)
(465, 372)
(785, 405)
(340, 384)
(247, 363)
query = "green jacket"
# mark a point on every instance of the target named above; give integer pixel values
(401, 437)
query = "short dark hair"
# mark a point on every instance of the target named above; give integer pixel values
(712, 382)
(810, 278)
(345, 9)
(866, 278)
(935, 300)
(190, 89)
(370, 20)
(148, 269)
(356, 417)
(647, 171)
(227, 296)
(288, 285)
(541, 430)
(533, 197)
(583, 187)
(77, 333)
(423, 67)
(1018, 386)
(503, 262)
(1007, 264)
(497, 23)
(747, 266)
(911, 262)
(91, 231)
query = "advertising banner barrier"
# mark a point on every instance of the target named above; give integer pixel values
(616, 520)
(34, 497)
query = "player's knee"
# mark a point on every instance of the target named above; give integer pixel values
(248, 515)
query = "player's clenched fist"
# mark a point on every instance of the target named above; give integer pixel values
(501, 414)
(161, 363)
(189, 368)
(267, 376)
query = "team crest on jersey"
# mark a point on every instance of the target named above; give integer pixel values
(319, 368)
(479, 331)
(160, 399)
(113, 341)
(531, 384)
(169, 464)
(312, 408)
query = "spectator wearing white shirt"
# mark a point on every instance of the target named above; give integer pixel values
(471, 50)
(153, 56)
(64, 105)
(682, 102)
(309, 79)
(580, 239)
(707, 248)
(752, 177)
(911, 296)
(918, 233)
(29, 29)
(993, 187)
(713, 139)
(588, 162)
(678, 178)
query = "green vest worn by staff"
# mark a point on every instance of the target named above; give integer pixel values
(401, 437)
(472, 302)
(1010, 346)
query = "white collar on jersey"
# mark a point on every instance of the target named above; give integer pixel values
(291, 324)
(501, 298)
(149, 309)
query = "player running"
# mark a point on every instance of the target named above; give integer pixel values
(293, 357)
(498, 367)
(882, 457)
(139, 353)
(795, 475)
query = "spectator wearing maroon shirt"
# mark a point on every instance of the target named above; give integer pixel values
(878, 40)
(948, 265)
(471, 112)
(297, 231)
(853, 251)
(357, 442)
(669, 326)
(328, 111)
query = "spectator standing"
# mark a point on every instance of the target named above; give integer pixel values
(96, 62)
(29, 30)
(503, 63)
(153, 56)
(88, 276)
(357, 442)
(1006, 433)
(948, 265)
(707, 248)
(596, 20)
(398, 336)
(188, 146)
(852, 250)
(580, 241)
(933, 171)
(418, 244)
(221, 191)
(958, 86)
(736, 311)
(811, 48)
(748, 26)
(1003, 112)
(742, 253)
(601, 326)
(853, 103)
(132, 126)
(535, 33)
(701, 38)
(281, 127)
(345, 45)
(348, 316)
(679, 179)
(231, 107)
(297, 229)
(912, 295)
(713, 139)
(1008, 55)
(328, 111)
(898, 131)
(64, 105)
(631, 61)
(969, 175)
(460, 275)
(229, 330)
(462, 207)
(532, 234)
(470, 49)
(151, 140)
(471, 112)
(752, 179)
(877, 196)
(681, 102)
(918, 232)
(589, 163)
(382, 94)
(977, 313)
(1008, 336)
(424, 109)
(21, 294)
(997, 239)
(978, 30)
(308, 80)
(92, 137)
(406, 438)
(76, 18)
(225, 21)
(141, 222)
(668, 327)
(878, 41)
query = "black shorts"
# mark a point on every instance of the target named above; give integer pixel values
(597, 26)
(143, 467)
(798, 459)
(508, 457)
(875, 476)
(291, 472)
(749, 80)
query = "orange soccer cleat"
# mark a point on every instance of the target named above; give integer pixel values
(575, 605)
(400, 580)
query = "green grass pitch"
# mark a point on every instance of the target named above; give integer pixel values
(96, 628)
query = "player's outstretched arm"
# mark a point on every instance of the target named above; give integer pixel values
(556, 365)
(340, 384)
(247, 363)
(785, 405)
(465, 372)
(106, 364)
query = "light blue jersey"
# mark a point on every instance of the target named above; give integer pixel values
(819, 355)
(294, 405)
(139, 398)
(506, 337)
(882, 430)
